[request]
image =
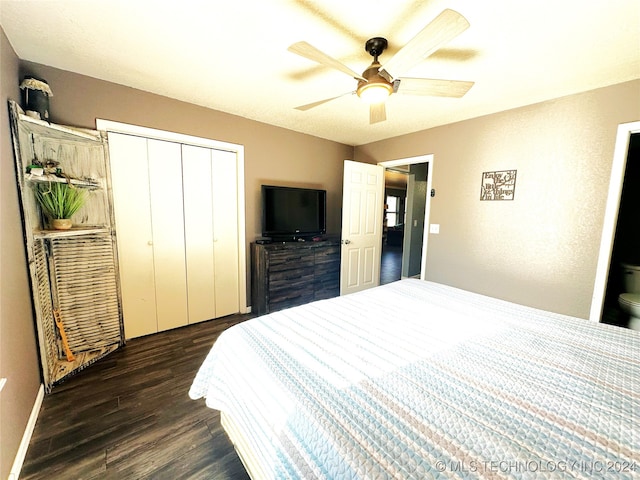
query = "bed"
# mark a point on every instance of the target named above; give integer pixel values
(418, 380)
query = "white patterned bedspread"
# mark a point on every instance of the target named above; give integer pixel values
(420, 380)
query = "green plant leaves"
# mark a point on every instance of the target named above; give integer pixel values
(59, 200)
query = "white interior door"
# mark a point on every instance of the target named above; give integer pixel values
(362, 211)
(132, 209)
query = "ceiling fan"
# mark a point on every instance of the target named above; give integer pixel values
(378, 81)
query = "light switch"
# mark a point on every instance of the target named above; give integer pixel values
(434, 228)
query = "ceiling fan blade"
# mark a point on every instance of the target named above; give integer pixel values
(312, 53)
(442, 29)
(309, 106)
(433, 87)
(377, 113)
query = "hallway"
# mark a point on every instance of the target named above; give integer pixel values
(391, 264)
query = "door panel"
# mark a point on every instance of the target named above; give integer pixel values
(363, 192)
(372, 215)
(198, 229)
(167, 224)
(353, 270)
(225, 214)
(369, 266)
(132, 207)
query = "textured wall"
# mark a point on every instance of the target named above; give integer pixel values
(540, 249)
(18, 354)
(272, 155)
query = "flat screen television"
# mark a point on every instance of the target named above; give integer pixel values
(290, 214)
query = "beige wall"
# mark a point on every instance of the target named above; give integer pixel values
(541, 248)
(18, 353)
(272, 155)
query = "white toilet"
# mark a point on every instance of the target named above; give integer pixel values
(630, 301)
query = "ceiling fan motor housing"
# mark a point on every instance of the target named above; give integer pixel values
(376, 88)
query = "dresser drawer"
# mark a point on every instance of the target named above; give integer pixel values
(283, 303)
(298, 279)
(287, 260)
(328, 255)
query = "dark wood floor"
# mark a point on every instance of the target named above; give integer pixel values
(390, 264)
(129, 416)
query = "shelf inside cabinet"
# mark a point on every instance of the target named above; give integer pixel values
(88, 183)
(72, 232)
(58, 131)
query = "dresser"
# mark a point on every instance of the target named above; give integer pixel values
(293, 273)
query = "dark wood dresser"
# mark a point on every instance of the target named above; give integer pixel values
(292, 273)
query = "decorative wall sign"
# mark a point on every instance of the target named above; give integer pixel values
(500, 185)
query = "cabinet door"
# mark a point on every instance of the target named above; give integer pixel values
(198, 232)
(225, 231)
(167, 226)
(132, 208)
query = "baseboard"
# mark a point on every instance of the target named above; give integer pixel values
(26, 438)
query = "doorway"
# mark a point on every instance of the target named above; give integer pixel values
(395, 212)
(407, 206)
(618, 227)
(626, 243)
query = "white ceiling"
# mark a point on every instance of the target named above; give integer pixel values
(232, 55)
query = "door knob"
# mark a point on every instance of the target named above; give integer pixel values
(346, 242)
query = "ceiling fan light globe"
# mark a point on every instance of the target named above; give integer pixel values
(374, 92)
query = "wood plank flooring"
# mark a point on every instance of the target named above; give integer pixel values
(129, 416)
(390, 264)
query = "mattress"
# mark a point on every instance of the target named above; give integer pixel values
(418, 380)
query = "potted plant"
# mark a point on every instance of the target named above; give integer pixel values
(59, 201)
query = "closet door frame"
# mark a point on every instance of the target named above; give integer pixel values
(151, 133)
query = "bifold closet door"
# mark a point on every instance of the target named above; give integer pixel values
(147, 189)
(176, 209)
(198, 229)
(167, 227)
(225, 226)
(211, 232)
(132, 208)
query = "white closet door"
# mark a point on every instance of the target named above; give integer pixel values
(132, 208)
(167, 224)
(198, 230)
(225, 227)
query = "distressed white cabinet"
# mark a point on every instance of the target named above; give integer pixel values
(177, 216)
(73, 273)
